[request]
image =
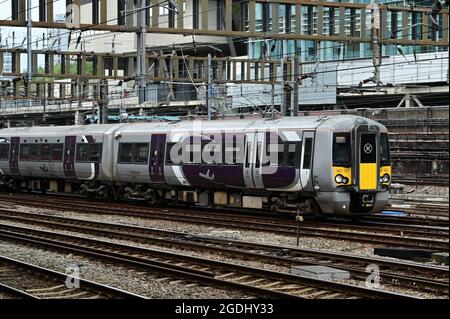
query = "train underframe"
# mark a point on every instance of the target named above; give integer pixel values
(276, 202)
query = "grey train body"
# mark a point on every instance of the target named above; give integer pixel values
(316, 163)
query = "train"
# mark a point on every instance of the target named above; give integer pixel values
(319, 165)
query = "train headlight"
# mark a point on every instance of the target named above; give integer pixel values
(345, 180)
(339, 179)
(386, 178)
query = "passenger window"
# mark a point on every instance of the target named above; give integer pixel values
(25, 151)
(247, 156)
(95, 152)
(169, 160)
(210, 152)
(290, 154)
(57, 152)
(46, 152)
(268, 153)
(281, 153)
(293, 150)
(307, 154)
(4, 152)
(125, 153)
(35, 152)
(238, 151)
(140, 155)
(82, 152)
(193, 152)
(258, 150)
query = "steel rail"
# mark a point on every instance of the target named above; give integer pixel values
(225, 274)
(42, 283)
(406, 274)
(248, 223)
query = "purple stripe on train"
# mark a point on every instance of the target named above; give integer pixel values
(220, 176)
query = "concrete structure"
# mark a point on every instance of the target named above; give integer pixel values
(320, 272)
(310, 29)
(395, 24)
(99, 41)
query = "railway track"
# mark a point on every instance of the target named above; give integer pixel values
(427, 278)
(188, 270)
(403, 220)
(375, 234)
(23, 280)
(422, 180)
(407, 220)
(433, 212)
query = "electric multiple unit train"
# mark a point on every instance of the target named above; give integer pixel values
(318, 164)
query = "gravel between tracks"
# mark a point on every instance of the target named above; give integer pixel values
(432, 190)
(5, 296)
(137, 281)
(245, 235)
(311, 243)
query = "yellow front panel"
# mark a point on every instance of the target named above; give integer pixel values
(367, 176)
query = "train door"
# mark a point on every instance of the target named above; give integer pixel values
(14, 156)
(368, 171)
(259, 148)
(156, 163)
(254, 148)
(69, 156)
(306, 161)
(248, 159)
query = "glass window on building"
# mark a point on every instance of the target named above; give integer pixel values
(282, 21)
(292, 19)
(309, 20)
(221, 10)
(330, 50)
(240, 15)
(120, 9)
(195, 14)
(259, 17)
(309, 51)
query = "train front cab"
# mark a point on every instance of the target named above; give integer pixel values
(361, 172)
(372, 170)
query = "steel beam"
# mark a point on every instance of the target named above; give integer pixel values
(275, 18)
(229, 15)
(180, 15)
(241, 34)
(251, 16)
(204, 14)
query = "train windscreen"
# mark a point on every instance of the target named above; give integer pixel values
(342, 155)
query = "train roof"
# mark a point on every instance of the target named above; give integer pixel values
(304, 122)
(310, 122)
(62, 130)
